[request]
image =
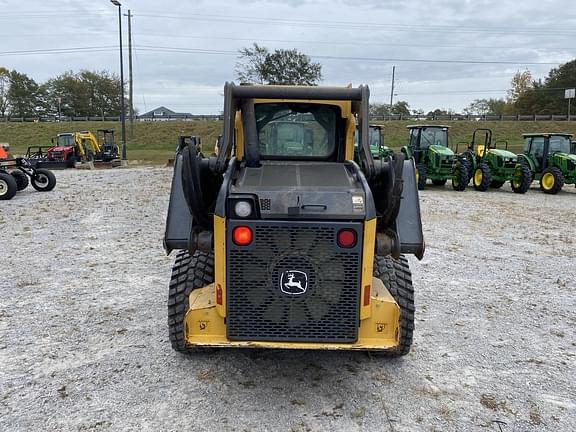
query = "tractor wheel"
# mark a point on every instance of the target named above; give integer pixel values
(8, 186)
(188, 274)
(482, 177)
(522, 179)
(21, 179)
(496, 184)
(396, 276)
(460, 176)
(551, 181)
(421, 176)
(43, 180)
(439, 182)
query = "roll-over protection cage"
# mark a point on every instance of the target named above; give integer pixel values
(198, 181)
(235, 96)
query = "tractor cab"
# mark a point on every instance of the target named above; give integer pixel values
(376, 142)
(424, 136)
(63, 148)
(284, 240)
(541, 146)
(428, 147)
(550, 158)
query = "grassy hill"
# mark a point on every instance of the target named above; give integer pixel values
(154, 142)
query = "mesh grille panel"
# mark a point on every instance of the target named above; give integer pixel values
(294, 284)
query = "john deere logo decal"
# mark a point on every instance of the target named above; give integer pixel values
(293, 282)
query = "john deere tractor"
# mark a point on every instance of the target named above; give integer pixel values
(283, 240)
(434, 160)
(491, 167)
(377, 147)
(549, 158)
(376, 140)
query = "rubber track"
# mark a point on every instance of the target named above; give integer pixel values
(188, 274)
(396, 275)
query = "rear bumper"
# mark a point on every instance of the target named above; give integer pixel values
(204, 327)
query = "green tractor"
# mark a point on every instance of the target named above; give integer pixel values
(491, 167)
(376, 141)
(428, 147)
(550, 158)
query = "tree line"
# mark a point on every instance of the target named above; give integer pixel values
(97, 93)
(71, 94)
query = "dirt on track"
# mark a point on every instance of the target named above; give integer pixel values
(84, 345)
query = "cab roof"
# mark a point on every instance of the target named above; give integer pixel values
(534, 134)
(422, 126)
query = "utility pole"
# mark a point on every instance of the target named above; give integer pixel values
(130, 82)
(392, 89)
(122, 108)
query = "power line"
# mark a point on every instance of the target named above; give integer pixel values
(355, 44)
(60, 50)
(183, 50)
(153, 48)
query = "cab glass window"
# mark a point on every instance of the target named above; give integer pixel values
(288, 130)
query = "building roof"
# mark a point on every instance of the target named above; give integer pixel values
(163, 112)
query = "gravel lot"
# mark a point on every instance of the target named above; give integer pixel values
(84, 346)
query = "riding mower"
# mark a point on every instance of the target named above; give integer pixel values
(428, 147)
(491, 167)
(283, 240)
(14, 174)
(551, 160)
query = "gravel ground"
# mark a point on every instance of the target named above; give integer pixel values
(84, 346)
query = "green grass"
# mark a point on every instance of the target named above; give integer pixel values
(154, 142)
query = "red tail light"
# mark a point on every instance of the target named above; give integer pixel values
(242, 235)
(346, 238)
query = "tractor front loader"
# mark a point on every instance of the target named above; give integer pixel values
(283, 240)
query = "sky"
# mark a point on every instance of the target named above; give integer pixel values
(446, 52)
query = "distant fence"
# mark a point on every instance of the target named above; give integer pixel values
(448, 117)
(454, 117)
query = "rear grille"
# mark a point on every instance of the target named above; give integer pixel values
(293, 283)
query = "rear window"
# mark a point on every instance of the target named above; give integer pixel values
(296, 130)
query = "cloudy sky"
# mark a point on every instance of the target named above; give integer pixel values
(446, 52)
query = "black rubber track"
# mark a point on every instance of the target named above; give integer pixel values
(188, 274)
(396, 276)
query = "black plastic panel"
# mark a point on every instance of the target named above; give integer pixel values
(266, 303)
(179, 219)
